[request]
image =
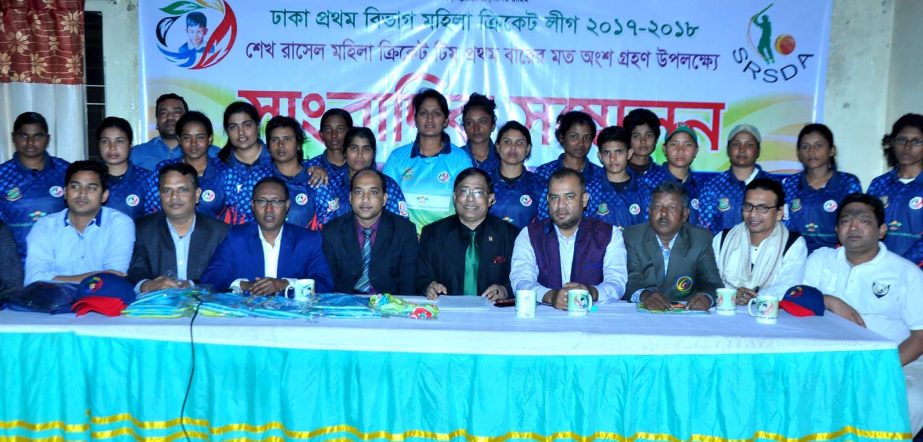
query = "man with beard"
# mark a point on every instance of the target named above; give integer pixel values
(266, 256)
(668, 259)
(568, 251)
(168, 109)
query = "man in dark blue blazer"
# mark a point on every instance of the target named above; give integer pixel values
(393, 245)
(174, 246)
(264, 257)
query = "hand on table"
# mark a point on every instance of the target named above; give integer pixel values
(264, 286)
(654, 301)
(698, 301)
(495, 292)
(162, 282)
(557, 298)
(744, 295)
(840, 307)
(434, 289)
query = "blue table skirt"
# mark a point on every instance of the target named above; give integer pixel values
(66, 386)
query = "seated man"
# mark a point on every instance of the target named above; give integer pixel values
(868, 284)
(265, 256)
(163, 242)
(467, 253)
(760, 254)
(668, 259)
(83, 239)
(545, 251)
(371, 250)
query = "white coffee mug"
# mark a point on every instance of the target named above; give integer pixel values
(303, 290)
(767, 309)
(579, 302)
(726, 302)
(525, 303)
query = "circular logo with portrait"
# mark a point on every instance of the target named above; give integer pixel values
(56, 191)
(208, 196)
(525, 200)
(196, 34)
(132, 200)
(13, 194)
(443, 177)
(694, 203)
(333, 205)
(830, 206)
(402, 208)
(916, 203)
(684, 284)
(634, 209)
(301, 199)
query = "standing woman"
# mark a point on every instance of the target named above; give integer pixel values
(813, 195)
(901, 189)
(246, 157)
(286, 138)
(195, 133)
(129, 190)
(516, 189)
(680, 147)
(360, 155)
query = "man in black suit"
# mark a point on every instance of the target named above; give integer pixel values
(392, 242)
(468, 253)
(668, 259)
(173, 247)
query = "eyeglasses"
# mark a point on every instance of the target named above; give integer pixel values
(913, 142)
(22, 136)
(465, 192)
(274, 203)
(760, 208)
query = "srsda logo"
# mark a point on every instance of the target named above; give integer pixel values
(760, 60)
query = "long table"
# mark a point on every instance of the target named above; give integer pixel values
(478, 376)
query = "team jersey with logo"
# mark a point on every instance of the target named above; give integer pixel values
(812, 212)
(333, 171)
(306, 205)
(239, 180)
(658, 174)
(721, 199)
(29, 195)
(903, 210)
(492, 162)
(131, 192)
(590, 171)
(517, 201)
(621, 208)
(213, 199)
(427, 182)
(148, 155)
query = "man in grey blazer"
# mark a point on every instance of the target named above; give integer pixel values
(173, 247)
(669, 260)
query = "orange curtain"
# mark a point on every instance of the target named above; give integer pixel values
(41, 41)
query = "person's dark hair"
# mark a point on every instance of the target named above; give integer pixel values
(171, 96)
(564, 173)
(478, 101)
(423, 94)
(30, 118)
(196, 19)
(181, 168)
(271, 180)
(517, 126)
(88, 166)
(361, 132)
(280, 121)
(235, 108)
(337, 112)
(907, 120)
(568, 120)
(674, 188)
(381, 178)
(116, 122)
(194, 117)
(823, 131)
(641, 116)
(872, 201)
(770, 185)
(471, 171)
(614, 133)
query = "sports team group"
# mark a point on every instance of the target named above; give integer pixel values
(438, 219)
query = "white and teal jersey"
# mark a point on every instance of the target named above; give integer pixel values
(427, 181)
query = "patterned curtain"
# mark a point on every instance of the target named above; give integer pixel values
(41, 70)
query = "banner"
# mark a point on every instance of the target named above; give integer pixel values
(710, 63)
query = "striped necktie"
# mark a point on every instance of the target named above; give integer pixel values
(363, 284)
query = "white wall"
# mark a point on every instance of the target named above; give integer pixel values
(121, 57)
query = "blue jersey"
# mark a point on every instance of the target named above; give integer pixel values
(29, 195)
(213, 200)
(721, 200)
(334, 172)
(305, 204)
(517, 201)
(492, 162)
(427, 182)
(812, 212)
(903, 210)
(656, 175)
(621, 208)
(148, 155)
(131, 192)
(590, 171)
(239, 180)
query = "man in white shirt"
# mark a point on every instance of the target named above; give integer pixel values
(544, 251)
(760, 255)
(868, 284)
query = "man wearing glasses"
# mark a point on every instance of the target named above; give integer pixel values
(467, 253)
(760, 255)
(264, 257)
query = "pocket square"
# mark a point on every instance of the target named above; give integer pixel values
(499, 259)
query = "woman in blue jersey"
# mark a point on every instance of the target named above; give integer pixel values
(360, 155)
(286, 137)
(128, 184)
(195, 133)
(426, 168)
(813, 195)
(901, 189)
(575, 131)
(619, 197)
(246, 157)
(680, 148)
(516, 189)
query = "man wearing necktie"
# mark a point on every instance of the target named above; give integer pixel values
(467, 253)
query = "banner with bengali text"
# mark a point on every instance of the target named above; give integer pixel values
(710, 63)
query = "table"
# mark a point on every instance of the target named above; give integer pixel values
(477, 376)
